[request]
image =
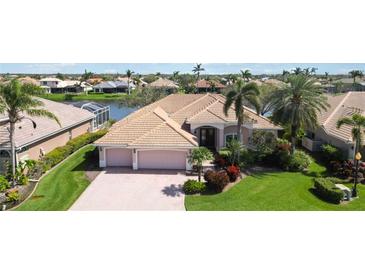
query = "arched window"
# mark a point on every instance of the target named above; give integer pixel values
(4, 154)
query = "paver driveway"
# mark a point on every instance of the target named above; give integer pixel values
(124, 189)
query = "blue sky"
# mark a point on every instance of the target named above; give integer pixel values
(210, 68)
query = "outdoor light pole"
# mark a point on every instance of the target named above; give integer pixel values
(357, 158)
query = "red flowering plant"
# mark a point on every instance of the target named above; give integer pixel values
(233, 172)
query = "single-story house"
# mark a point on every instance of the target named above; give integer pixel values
(55, 85)
(112, 87)
(342, 105)
(31, 143)
(348, 84)
(166, 84)
(204, 85)
(162, 134)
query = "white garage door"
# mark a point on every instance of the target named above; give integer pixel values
(119, 157)
(162, 159)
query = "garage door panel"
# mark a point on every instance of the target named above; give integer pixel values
(119, 157)
(161, 159)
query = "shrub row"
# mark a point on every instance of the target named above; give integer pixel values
(325, 188)
(59, 154)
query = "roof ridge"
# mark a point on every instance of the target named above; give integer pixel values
(190, 104)
(337, 108)
(202, 109)
(172, 124)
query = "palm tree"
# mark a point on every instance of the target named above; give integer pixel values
(246, 75)
(326, 74)
(297, 105)
(354, 74)
(297, 71)
(267, 92)
(197, 69)
(285, 74)
(16, 100)
(240, 93)
(129, 74)
(357, 122)
(198, 156)
(231, 79)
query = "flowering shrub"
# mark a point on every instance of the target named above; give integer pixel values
(216, 180)
(233, 172)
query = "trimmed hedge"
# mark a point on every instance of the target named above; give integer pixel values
(194, 187)
(60, 153)
(326, 189)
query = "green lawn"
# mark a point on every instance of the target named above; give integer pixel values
(81, 97)
(59, 189)
(273, 191)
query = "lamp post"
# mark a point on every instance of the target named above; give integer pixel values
(357, 158)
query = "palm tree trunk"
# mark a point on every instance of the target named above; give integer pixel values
(12, 148)
(293, 138)
(129, 92)
(199, 172)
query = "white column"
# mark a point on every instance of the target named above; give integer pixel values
(135, 159)
(102, 157)
(221, 138)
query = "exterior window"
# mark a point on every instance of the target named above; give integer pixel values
(230, 137)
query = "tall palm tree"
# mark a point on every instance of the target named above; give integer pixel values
(246, 75)
(129, 74)
(297, 105)
(357, 122)
(16, 101)
(297, 71)
(197, 69)
(240, 93)
(354, 74)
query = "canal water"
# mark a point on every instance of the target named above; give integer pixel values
(117, 110)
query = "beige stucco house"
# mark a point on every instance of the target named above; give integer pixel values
(343, 105)
(31, 143)
(161, 135)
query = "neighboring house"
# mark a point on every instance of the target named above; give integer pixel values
(343, 105)
(101, 112)
(209, 86)
(55, 85)
(348, 84)
(132, 84)
(111, 87)
(162, 134)
(31, 143)
(166, 84)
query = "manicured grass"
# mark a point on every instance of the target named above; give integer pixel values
(81, 97)
(273, 191)
(59, 189)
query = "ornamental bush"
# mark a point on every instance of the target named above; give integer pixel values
(294, 162)
(233, 172)
(12, 195)
(326, 189)
(331, 153)
(193, 187)
(216, 181)
(4, 184)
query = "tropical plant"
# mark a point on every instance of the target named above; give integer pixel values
(198, 156)
(355, 73)
(197, 69)
(60, 76)
(175, 76)
(16, 101)
(87, 75)
(129, 74)
(246, 75)
(297, 71)
(266, 98)
(357, 122)
(233, 151)
(240, 93)
(231, 79)
(297, 105)
(339, 86)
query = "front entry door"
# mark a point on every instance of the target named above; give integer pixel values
(207, 137)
